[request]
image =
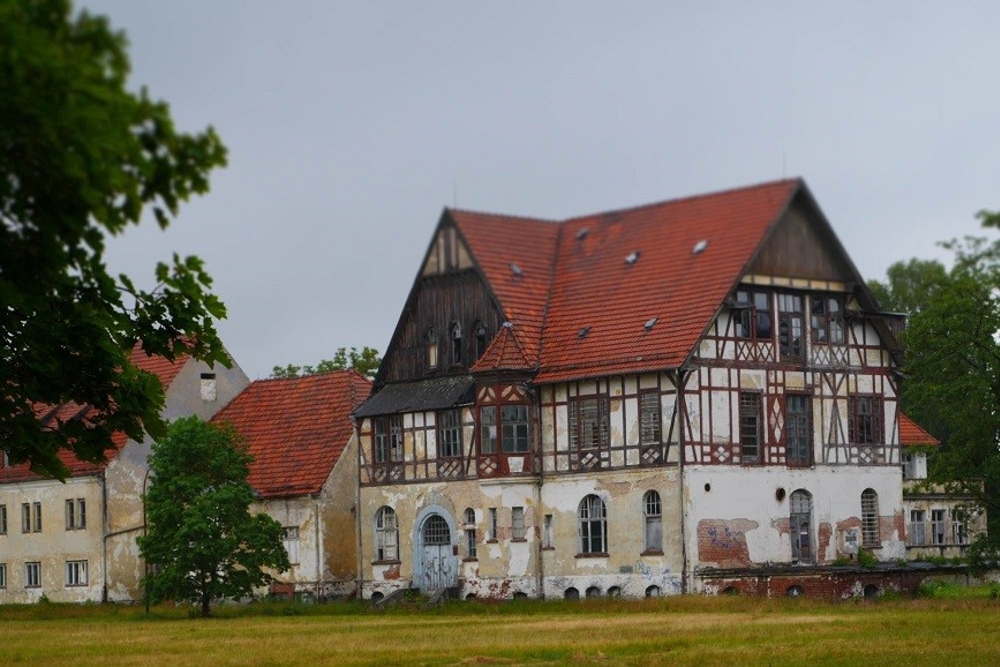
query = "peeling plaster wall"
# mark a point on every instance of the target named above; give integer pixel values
(54, 545)
(739, 517)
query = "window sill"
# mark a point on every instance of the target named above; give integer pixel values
(387, 562)
(492, 541)
(471, 559)
(519, 539)
(602, 554)
(652, 552)
(548, 548)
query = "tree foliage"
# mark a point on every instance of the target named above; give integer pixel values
(952, 366)
(201, 541)
(82, 158)
(365, 362)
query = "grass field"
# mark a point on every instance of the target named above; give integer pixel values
(942, 630)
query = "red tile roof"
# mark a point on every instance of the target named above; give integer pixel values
(296, 428)
(622, 291)
(164, 369)
(912, 435)
(505, 352)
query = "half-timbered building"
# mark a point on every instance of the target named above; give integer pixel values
(640, 402)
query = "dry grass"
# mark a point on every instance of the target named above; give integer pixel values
(692, 630)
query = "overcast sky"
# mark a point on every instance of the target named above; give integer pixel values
(351, 125)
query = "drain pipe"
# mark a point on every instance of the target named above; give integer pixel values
(680, 410)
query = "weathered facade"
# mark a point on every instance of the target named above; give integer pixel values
(640, 402)
(75, 541)
(305, 473)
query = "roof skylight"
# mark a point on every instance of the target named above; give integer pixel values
(633, 257)
(582, 333)
(516, 270)
(582, 234)
(699, 247)
(649, 323)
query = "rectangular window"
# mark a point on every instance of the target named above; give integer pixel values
(470, 534)
(3, 519)
(791, 326)
(826, 321)
(492, 536)
(866, 420)
(798, 430)
(547, 542)
(589, 423)
(754, 317)
(290, 540)
(515, 428)
(31, 518)
(449, 434)
(650, 420)
(76, 514)
(388, 443)
(76, 573)
(517, 523)
(488, 429)
(939, 520)
(3, 575)
(918, 529)
(750, 427)
(25, 517)
(32, 575)
(959, 534)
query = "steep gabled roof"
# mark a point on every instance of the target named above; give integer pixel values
(517, 256)
(296, 429)
(50, 416)
(912, 434)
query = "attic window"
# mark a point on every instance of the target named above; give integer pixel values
(480, 338)
(582, 333)
(633, 257)
(516, 270)
(208, 389)
(649, 323)
(456, 343)
(432, 348)
(582, 234)
(699, 247)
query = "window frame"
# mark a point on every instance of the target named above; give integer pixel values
(450, 444)
(76, 573)
(589, 428)
(798, 431)
(800, 505)
(751, 417)
(939, 527)
(3, 519)
(918, 525)
(33, 574)
(76, 514)
(826, 320)
(791, 327)
(652, 514)
(290, 541)
(518, 526)
(870, 534)
(755, 315)
(650, 417)
(592, 519)
(471, 539)
(386, 535)
(3, 575)
(493, 525)
(387, 439)
(866, 419)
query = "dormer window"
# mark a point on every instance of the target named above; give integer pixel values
(456, 343)
(432, 348)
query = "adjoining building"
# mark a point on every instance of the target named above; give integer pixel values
(669, 398)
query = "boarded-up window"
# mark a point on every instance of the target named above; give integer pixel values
(650, 419)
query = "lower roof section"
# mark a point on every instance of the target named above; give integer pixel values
(433, 394)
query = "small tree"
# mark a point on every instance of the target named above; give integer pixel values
(201, 541)
(365, 362)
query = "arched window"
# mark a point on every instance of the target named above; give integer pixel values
(470, 532)
(869, 518)
(653, 514)
(386, 535)
(800, 525)
(593, 526)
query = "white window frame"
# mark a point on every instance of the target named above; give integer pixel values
(386, 535)
(518, 530)
(76, 573)
(33, 574)
(76, 514)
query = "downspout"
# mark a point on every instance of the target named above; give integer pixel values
(319, 547)
(680, 411)
(356, 512)
(104, 540)
(540, 569)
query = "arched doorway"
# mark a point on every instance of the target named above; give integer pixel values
(438, 565)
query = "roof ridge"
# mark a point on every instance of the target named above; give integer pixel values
(508, 216)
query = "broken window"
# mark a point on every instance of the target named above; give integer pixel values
(751, 428)
(488, 429)
(470, 533)
(290, 540)
(32, 575)
(918, 529)
(388, 441)
(76, 514)
(865, 414)
(593, 526)
(869, 519)
(653, 514)
(800, 522)
(753, 318)
(386, 535)
(589, 423)
(826, 320)
(76, 573)
(449, 434)
(939, 522)
(518, 530)
(798, 430)
(959, 534)
(791, 327)
(650, 420)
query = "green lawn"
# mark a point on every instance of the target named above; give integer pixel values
(691, 630)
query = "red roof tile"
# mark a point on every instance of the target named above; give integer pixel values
(622, 291)
(296, 428)
(912, 435)
(164, 369)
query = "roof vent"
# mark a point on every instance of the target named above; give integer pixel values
(582, 234)
(649, 323)
(508, 325)
(699, 247)
(633, 257)
(516, 270)
(582, 333)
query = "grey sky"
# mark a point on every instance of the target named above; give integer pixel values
(351, 125)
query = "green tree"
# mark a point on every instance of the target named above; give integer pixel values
(202, 542)
(82, 158)
(909, 285)
(365, 362)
